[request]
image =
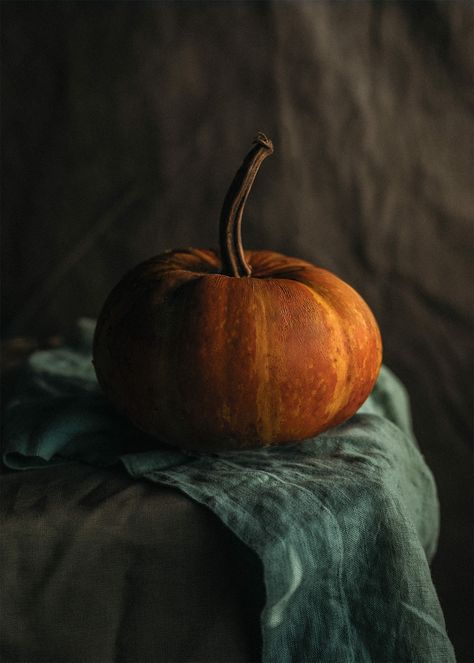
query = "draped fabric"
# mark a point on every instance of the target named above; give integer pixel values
(344, 524)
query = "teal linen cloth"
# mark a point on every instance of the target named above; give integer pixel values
(344, 524)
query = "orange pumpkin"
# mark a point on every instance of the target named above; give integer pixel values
(252, 348)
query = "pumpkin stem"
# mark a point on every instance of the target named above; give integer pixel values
(232, 252)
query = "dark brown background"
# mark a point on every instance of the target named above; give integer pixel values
(123, 124)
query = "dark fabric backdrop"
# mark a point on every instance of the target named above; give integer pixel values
(123, 124)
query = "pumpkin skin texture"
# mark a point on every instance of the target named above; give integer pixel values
(206, 361)
(235, 349)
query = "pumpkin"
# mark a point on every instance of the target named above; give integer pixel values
(242, 349)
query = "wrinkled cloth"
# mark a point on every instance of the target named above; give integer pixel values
(344, 524)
